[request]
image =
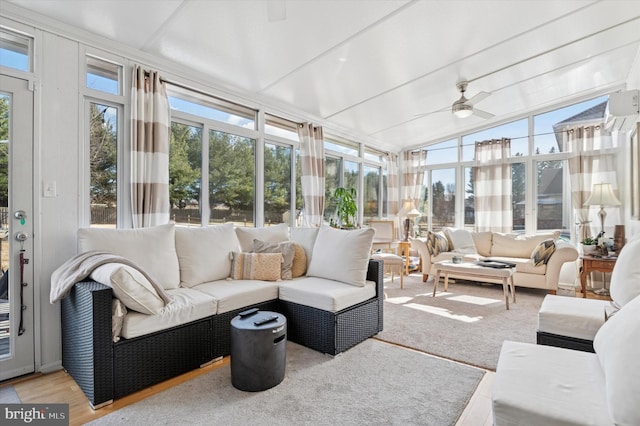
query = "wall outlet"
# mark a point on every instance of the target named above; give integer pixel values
(49, 189)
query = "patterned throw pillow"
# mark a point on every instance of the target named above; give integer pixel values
(437, 243)
(543, 252)
(256, 266)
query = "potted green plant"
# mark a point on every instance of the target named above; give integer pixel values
(346, 208)
(589, 245)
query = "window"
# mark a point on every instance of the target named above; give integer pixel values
(332, 173)
(341, 147)
(517, 131)
(371, 192)
(211, 108)
(351, 174)
(231, 178)
(280, 127)
(469, 198)
(518, 195)
(277, 184)
(103, 164)
(16, 51)
(443, 190)
(104, 76)
(443, 152)
(550, 190)
(185, 173)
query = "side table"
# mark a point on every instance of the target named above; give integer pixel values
(404, 247)
(591, 264)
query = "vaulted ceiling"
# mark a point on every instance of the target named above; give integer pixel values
(383, 70)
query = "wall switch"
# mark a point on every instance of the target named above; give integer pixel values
(49, 189)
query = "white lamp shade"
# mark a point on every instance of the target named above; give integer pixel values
(407, 206)
(602, 195)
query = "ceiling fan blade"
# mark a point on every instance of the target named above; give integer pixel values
(477, 98)
(482, 114)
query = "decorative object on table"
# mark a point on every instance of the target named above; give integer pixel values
(409, 212)
(346, 208)
(589, 245)
(602, 195)
(456, 259)
(618, 238)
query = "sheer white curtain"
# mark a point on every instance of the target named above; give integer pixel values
(150, 118)
(492, 183)
(312, 173)
(590, 161)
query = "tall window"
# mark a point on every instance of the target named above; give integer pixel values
(231, 178)
(371, 192)
(103, 164)
(443, 197)
(185, 171)
(277, 183)
(550, 195)
(332, 171)
(518, 195)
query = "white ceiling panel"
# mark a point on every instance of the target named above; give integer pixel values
(366, 67)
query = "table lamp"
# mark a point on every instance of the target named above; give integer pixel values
(409, 212)
(602, 195)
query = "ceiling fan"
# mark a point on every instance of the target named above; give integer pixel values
(463, 107)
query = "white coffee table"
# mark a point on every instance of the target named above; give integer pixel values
(475, 271)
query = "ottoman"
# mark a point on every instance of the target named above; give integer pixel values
(570, 322)
(391, 261)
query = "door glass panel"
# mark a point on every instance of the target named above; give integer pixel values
(4, 226)
(185, 159)
(103, 152)
(550, 195)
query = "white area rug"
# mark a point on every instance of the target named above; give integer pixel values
(373, 383)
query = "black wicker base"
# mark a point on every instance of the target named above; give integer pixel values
(105, 370)
(566, 342)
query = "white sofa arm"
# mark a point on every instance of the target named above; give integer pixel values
(420, 245)
(565, 252)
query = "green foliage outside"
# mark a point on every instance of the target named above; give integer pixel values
(103, 159)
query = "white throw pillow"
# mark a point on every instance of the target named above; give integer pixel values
(617, 345)
(306, 237)
(153, 249)
(130, 286)
(461, 240)
(342, 255)
(271, 234)
(625, 278)
(203, 253)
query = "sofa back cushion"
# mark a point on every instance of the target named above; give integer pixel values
(483, 241)
(286, 248)
(618, 349)
(461, 241)
(625, 278)
(271, 234)
(306, 238)
(342, 255)
(153, 249)
(203, 253)
(516, 245)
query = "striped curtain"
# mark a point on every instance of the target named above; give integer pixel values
(393, 189)
(150, 117)
(492, 181)
(312, 173)
(588, 166)
(413, 175)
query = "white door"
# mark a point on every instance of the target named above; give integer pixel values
(16, 228)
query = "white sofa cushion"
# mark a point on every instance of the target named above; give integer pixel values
(625, 278)
(272, 234)
(328, 295)
(130, 286)
(461, 240)
(537, 385)
(186, 305)
(342, 255)
(617, 345)
(236, 294)
(306, 238)
(153, 249)
(203, 253)
(516, 245)
(570, 316)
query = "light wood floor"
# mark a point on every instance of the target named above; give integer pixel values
(59, 387)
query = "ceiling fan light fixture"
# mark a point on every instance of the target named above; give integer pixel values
(461, 109)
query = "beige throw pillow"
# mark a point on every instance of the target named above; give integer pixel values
(287, 249)
(299, 267)
(256, 266)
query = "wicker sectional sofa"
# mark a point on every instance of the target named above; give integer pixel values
(329, 309)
